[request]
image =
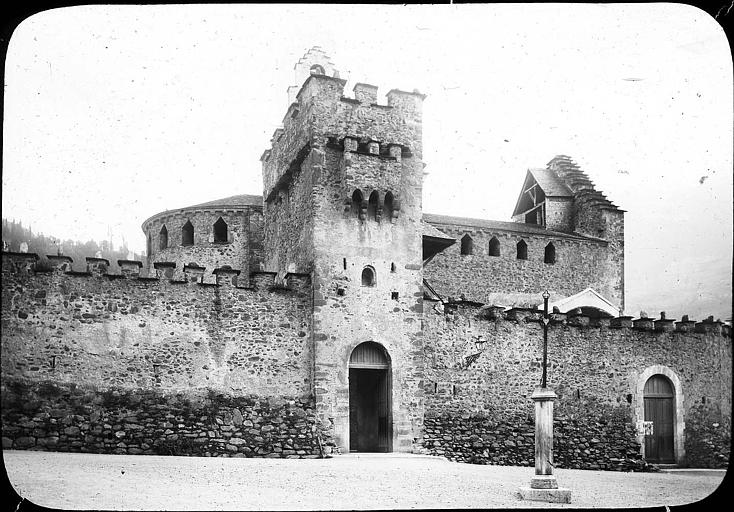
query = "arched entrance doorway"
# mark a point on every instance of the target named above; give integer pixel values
(659, 399)
(370, 399)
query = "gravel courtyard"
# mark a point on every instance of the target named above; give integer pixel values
(386, 481)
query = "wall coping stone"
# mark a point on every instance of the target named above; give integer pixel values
(21, 255)
(130, 262)
(91, 259)
(54, 258)
(225, 270)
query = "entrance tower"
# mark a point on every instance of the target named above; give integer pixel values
(342, 189)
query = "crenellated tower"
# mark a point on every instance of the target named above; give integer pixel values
(342, 189)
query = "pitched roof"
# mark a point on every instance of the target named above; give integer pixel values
(585, 298)
(429, 230)
(552, 185)
(238, 200)
(515, 227)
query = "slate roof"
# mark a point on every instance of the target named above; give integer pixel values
(515, 227)
(552, 185)
(238, 200)
(430, 230)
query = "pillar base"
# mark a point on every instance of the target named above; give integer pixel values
(543, 482)
(559, 495)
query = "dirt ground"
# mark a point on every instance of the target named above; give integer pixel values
(388, 481)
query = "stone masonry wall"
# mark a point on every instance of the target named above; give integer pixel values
(329, 146)
(59, 416)
(481, 369)
(119, 333)
(289, 225)
(579, 264)
(237, 252)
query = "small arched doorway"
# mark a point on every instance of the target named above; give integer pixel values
(659, 399)
(370, 399)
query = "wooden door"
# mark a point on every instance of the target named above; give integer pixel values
(370, 404)
(363, 408)
(659, 420)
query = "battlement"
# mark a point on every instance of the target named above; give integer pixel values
(322, 114)
(24, 265)
(577, 319)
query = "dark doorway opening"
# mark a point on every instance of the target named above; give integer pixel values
(659, 418)
(370, 401)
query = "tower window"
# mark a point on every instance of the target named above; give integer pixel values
(388, 208)
(522, 250)
(393, 268)
(494, 247)
(356, 202)
(220, 231)
(187, 233)
(368, 276)
(372, 205)
(467, 245)
(550, 253)
(163, 238)
(317, 69)
(149, 245)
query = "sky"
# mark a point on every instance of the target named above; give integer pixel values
(115, 113)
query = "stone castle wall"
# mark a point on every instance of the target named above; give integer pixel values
(481, 369)
(580, 263)
(123, 364)
(71, 340)
(242, 250)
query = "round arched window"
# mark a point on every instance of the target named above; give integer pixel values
(317, 69)
(369, 277)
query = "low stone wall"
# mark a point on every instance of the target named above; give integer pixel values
(585, 437)
(66, 417)
(708, 437)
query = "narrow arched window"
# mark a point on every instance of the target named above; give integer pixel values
(356, 202)
(550, 253)
(467, 245)
(187, 233)
(163, 238)
(368, 276)
(522, 250)
(388, 208)
(494, 247)
(149, 245)
(372, 205)
(220, 231)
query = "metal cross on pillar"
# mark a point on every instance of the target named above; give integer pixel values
(543, 486)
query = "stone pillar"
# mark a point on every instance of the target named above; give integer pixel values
(543, 486)
(543, 398)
